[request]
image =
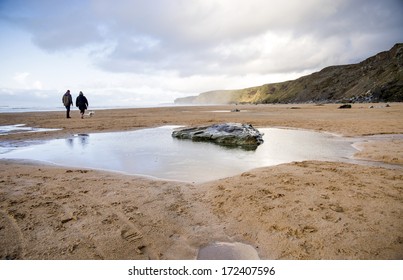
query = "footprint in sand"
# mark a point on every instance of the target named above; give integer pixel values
(131, 235)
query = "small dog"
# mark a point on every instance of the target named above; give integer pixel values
(90, 113)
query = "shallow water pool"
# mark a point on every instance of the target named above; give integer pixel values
(153, 152)
(18, 128)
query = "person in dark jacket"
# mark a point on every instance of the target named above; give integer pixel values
(67, 102)
(82, 103)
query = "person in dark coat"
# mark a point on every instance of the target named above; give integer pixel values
(82, 103)
(67, 102)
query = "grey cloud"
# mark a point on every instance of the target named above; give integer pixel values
(210, 37)
(335, 32)
(54, 25)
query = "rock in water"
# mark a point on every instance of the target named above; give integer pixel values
(226, 134)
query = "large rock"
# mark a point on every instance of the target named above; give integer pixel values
(227, 134)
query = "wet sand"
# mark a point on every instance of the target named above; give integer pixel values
(301, 210)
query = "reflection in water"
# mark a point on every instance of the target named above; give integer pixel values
(153, 152)
(83, 140)
(70, 142)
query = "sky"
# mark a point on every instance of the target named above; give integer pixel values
(141, 52)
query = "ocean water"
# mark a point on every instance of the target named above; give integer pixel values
(23, 109)
(153, 152)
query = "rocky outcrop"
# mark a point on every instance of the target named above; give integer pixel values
(226, 134)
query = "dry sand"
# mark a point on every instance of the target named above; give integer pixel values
(301, 210)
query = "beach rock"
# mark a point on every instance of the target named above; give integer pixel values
(226, 134)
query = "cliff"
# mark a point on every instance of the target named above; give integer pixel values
(376, 79)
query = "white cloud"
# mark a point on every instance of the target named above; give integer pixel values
(21, 77)
(24, 81)
(37, 85)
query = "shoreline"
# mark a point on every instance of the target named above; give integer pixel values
(299, 210)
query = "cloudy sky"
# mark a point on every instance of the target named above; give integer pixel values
(142, 52)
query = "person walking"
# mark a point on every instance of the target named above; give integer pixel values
(67, 102)
(82, 103)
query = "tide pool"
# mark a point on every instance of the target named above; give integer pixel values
(153, 152)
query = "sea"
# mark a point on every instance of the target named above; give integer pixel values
(23, 109)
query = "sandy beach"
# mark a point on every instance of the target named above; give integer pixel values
(301, 210)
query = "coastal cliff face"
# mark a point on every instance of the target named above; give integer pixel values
(376, 79)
